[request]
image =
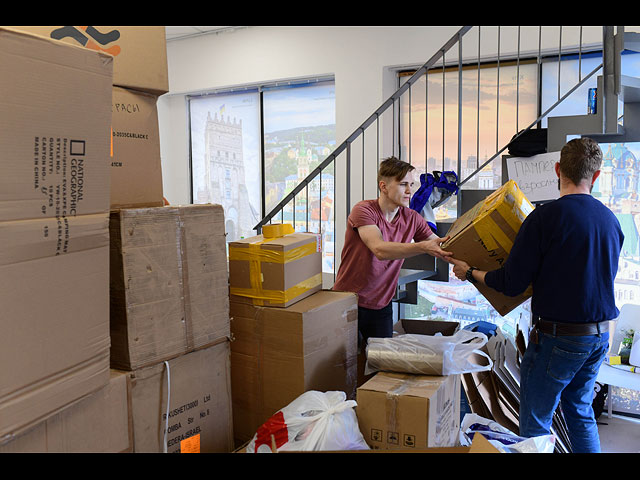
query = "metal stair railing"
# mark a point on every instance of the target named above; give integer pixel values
(392, 134)
(346, 145)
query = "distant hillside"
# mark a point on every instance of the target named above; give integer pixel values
(321, 134)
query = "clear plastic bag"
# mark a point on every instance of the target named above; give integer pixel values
(315, 421)
(427, 354)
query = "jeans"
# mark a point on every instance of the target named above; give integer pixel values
(562, 369)
(374, 323)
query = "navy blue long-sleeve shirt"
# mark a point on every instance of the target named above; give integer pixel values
(568, 250)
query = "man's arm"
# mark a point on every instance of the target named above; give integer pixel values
(460, 269)
(383, 250)
(517, 273)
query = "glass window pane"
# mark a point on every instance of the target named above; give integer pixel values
(225, 156)
(299, 133)
(487, 123)
(489, 119)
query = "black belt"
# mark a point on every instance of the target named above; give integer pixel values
(557, 328)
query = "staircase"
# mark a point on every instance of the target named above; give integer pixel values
(354, 162)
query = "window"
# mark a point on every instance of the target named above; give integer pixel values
(299, 133)
(489, 120)
(251, 147)
(618, 187)
(226, 159)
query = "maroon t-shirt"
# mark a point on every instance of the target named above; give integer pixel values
(360, 271)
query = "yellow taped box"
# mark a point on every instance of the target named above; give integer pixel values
(484, 235)
(275, 271)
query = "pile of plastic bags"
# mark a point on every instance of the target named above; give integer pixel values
(315, 421)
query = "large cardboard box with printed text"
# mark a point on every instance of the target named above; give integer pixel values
(183, 405)
(279, 353)
(169, 282)
(54, 202)
(403, 411)
(139, 52)
(136, 169)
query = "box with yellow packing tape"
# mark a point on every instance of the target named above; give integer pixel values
(484, 235)
(275, 269)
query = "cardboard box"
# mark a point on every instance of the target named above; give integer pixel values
(479, 444)
(97, 423)
(169, 282)
(54, 199)
(139, 52)
(279, 353)
(484, 235)
(54, 292)
(136, 170)
(427, 327)
(199, 391)
(56, 117)
(275, 269)
(400, 411)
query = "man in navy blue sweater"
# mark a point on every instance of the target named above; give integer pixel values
(568, 250)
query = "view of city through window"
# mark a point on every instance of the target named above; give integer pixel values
(227, 157)
(299, 133)
(488, 123)
(618, 186)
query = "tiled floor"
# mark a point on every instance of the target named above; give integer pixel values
(619, 434)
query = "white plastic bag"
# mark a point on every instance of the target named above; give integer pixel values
(427, 354)
(315, 421)
(502, 438)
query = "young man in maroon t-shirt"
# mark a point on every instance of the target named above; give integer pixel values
(380, 235)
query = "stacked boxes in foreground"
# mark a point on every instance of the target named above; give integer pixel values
(80, 155)
(170, 325)
(54, 211)
(409, 412)
(289, 335)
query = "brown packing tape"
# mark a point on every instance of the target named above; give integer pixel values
(183, 266)
(259, 325)
(391, 398)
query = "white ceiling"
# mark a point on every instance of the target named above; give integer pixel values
(176, 32)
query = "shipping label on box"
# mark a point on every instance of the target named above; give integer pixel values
(275, 270)
(484, 235)
(169, 282)
(280, 353)
(139, 52)
(402, 411)
(136, 170)
(198, 417)
(55, 123)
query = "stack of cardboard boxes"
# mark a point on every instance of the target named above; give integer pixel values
(125, 326)
(115, 309)
(54, 224)
(409, 412)
(289, 335)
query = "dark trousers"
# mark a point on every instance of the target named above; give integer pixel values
(374, 323)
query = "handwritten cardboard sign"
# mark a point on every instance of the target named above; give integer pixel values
(536, 175)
